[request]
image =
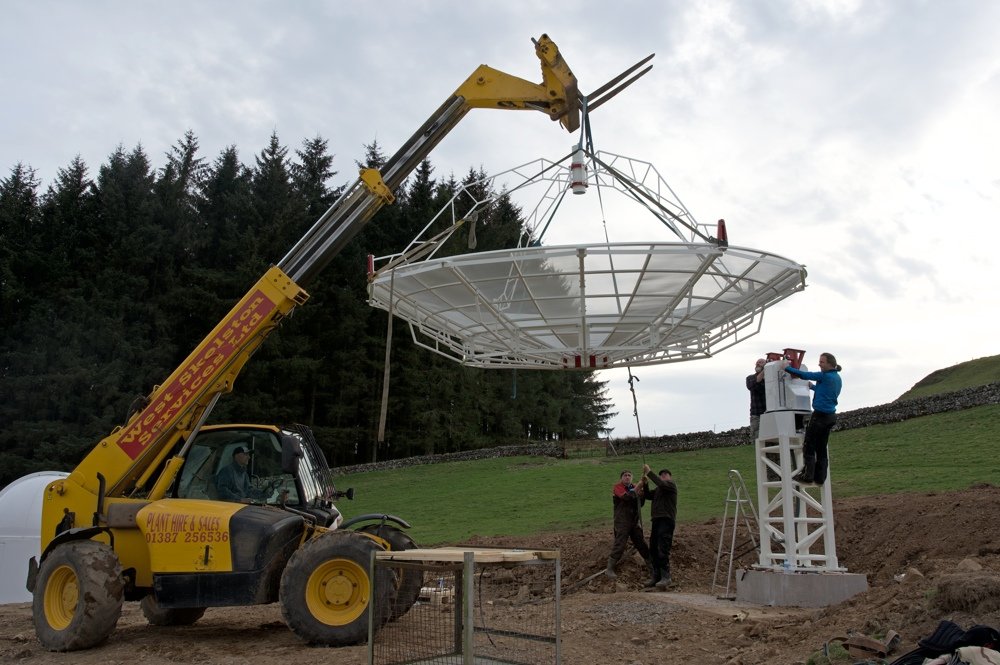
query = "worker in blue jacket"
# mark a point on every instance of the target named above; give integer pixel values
(825, 385)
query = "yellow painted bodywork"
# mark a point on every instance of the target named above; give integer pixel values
(170, 535)
(373, 181)
(133, 552)
(557, 95)
(188, 535)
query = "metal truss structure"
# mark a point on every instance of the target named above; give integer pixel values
(581, 306)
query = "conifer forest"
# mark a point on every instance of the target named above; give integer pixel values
(110, 277)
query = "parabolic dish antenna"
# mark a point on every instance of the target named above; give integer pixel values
(569, 306)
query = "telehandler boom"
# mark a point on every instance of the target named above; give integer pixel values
(150, 514)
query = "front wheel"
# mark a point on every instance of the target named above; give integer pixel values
(326, 594)
(78, 596)
(409, 580)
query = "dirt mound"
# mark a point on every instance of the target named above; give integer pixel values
(928, 557)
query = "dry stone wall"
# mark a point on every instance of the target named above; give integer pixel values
(873, 415)
(530, 450)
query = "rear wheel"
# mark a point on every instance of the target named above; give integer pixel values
(409, 581)
(325, 591)
(161, 616)
(78, 596)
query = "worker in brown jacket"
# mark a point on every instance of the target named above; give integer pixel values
(627, 500)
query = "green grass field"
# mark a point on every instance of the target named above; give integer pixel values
(447, 503)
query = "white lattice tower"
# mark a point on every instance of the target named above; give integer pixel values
(796, 522)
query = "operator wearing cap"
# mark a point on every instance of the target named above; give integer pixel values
(233, 482)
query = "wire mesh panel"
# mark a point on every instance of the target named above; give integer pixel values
(426, 633)
(476, 606)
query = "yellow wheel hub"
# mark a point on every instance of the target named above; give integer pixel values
(337, 592)
(61, 595)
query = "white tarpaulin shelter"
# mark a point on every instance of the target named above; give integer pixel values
(20, 539)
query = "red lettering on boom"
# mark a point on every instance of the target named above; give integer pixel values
(173, 399)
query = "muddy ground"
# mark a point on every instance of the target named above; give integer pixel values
(927, 557)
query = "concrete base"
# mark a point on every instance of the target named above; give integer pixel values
(799, 589)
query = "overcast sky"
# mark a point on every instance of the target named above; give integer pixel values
(858, 138)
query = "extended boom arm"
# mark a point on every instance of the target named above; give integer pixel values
(132, 454)
(557, 96)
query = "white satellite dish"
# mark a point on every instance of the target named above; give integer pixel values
(580, 306)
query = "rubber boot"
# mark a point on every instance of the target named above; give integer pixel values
(805, 476)
(664, 580)
(817, 472)
(610, 570)
(654, 575)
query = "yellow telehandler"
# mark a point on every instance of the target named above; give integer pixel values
(151, 514)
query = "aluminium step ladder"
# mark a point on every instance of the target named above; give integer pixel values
(744, 514)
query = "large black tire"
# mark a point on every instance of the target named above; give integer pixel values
(78, 596)
(325, 592)
(409, 581)
(162, 616)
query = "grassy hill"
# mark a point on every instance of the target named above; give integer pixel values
(979, 372)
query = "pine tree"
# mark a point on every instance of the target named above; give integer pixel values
(20, 255)
(65, 208)
(179, 190)
(107, 283)
(281, 221)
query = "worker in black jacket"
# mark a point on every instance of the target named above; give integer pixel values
(664, 517)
